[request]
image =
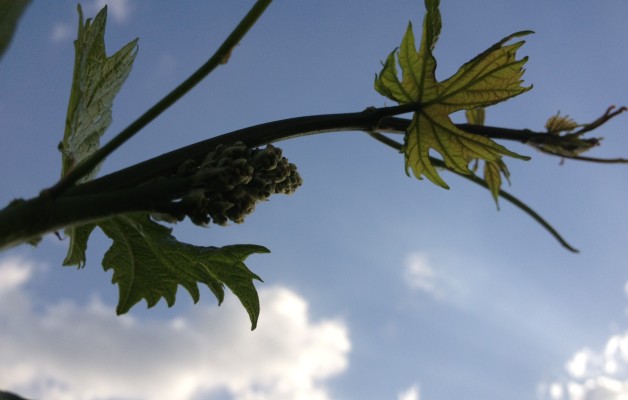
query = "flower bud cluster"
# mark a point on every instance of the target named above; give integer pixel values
(233, 178)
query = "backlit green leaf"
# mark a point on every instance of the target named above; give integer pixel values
(560, 123)
(149, 263)
(95, 82)
(493, 171)
(435, 130)
(491, 77)
(476, 116)
(388, 84)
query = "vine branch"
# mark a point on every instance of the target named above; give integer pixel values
(370, 120)
(151, 185)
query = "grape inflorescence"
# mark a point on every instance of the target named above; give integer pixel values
(231, 179)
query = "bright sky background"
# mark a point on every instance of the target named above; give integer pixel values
(378, 286)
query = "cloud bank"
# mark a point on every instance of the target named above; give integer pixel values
(594, 375)
(69, 351)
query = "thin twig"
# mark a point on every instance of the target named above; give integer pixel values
(502, 193)
(608, 115)
(592, 159)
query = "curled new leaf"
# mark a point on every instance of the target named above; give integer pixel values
(491, 77)
(560, 123)
(476, 116)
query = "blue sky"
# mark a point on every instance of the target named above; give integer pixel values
(379, 286)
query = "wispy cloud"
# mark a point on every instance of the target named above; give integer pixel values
(420, 272)
(61, 32)
(411, 393)
(83, 352)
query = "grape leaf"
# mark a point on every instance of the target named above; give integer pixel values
(560, 123)
(491, 77)
(95, 82)
(149, 263)
(476, 116)
(10, 13)
(493, 170)
(79, 235)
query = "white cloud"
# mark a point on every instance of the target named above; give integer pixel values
(61, 32)
(13, 274)
(412, 393)
(82, 352)
(593, 375)
(419, 274)
(119, 10)
(579, 363)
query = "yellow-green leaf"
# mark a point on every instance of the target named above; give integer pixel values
(491, 77)
(476, 116)
(493, 171)
(435, 130)
(417, 68)
(560, 123)
(388, 84)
